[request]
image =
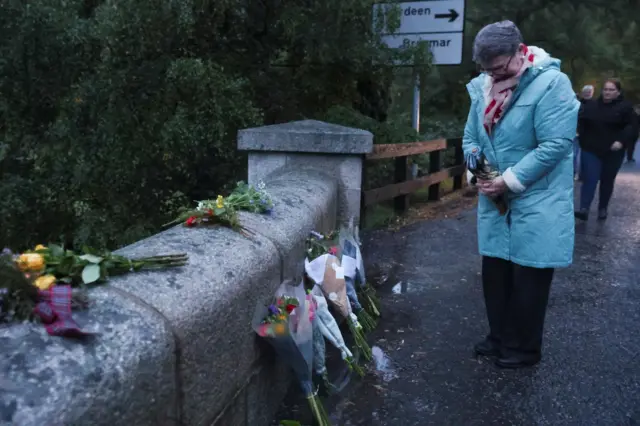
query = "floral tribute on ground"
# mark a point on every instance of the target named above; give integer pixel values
(355, 279)
(48, 282)
(324, 269)
(224, 211)
(288, 325)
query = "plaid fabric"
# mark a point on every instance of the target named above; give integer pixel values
(54, 310)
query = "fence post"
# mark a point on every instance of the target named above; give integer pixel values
(435, 165)
(459, 159)
(401, 202)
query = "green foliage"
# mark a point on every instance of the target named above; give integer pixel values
(113, 114)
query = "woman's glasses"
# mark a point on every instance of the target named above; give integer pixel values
(500, 69)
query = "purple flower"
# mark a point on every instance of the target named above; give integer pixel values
(6, 252)
(273, 310)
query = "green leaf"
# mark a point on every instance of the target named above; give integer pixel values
(56, 250)
(91, 273)
(91, 258)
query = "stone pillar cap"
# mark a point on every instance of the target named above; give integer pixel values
(310, 136)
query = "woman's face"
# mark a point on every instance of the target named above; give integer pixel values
(610, 92)
(504, 66)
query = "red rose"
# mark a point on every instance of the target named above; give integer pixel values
(290, 308)
(211, 213)
(191, 221)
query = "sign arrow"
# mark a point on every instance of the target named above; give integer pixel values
(452, 15)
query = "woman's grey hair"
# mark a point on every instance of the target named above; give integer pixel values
(497, 39)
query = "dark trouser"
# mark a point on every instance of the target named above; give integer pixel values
(516, 300)
(630, 150)
(599, 169)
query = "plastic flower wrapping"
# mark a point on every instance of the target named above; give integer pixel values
(484, 171)
(287, 324)
(350, 262)
(327, 273)
(364, 299)
(329, 328)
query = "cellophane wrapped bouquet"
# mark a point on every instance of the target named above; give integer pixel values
(326, 272)
(484, 171)
(353, 272)
(287, 324)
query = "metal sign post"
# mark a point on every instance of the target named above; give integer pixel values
(415, 113)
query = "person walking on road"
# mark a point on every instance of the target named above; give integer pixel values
(522, 121)
(632, 146)
(585, 95)
(607, 128)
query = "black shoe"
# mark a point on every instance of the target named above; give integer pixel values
(515, 362)
(581, 214)
(486, 348)
(602, 214)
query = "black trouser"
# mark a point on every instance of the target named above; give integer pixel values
(516, 300)
(630, 150)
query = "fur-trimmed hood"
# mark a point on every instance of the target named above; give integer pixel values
(542, 62)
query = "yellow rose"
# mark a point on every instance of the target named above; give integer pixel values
(220, 202)
(45, 282)
(31, 262)
(40, 247)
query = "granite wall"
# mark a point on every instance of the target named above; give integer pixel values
(176, 346)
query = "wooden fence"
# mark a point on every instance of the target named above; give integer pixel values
(403, 186)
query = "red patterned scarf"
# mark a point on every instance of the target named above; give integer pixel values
(498, 93)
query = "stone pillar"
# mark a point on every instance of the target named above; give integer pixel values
(336, 150)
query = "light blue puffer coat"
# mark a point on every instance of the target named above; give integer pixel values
(532, 146)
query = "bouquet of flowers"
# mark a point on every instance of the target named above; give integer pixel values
(326, 272)
(25, 296)
(40, 282)
(482, 170)
(366, 292)
(351, 261)
(251, 199)
(328, 327)
(287, 324)
(87, 268)
(211, 212)
(318, 244)
(224, 212)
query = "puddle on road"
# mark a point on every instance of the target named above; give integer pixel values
(383, 366)
(400, 288)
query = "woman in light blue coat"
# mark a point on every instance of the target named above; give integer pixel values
(522, 121)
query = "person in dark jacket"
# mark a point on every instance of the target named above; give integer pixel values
(632, 147)
(607, 126)
(585, 95)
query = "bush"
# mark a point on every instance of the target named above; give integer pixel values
(115, 113)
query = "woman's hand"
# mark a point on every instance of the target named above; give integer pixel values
(492, 188)
(617, 146)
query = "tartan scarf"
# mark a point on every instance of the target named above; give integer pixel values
(498, 93)
(54, 310)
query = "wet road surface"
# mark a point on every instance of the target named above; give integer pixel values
(434, 313)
